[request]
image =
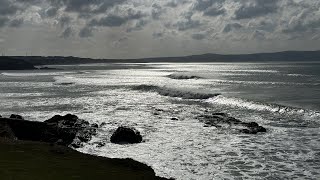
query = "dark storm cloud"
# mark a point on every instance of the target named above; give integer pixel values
(64, 21)
(51, 12)
(68, 32)
(113, 20)
(256, 8)
(3, 21)
(210, 7)
(156, 11)
(85, 32)
(7, 8)
(88, 7)
(186, 22)
(230, 27)
(198, 36)
(202, 5)
(138, 25)
(109, 21)
(157, 34)
(16, 23)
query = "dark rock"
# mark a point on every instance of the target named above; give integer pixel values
(103, 124)
(156, 113)
(94, 125)
(174, 119)
(125, 135)
(100, 144)
(6, 131)
(73, 128)
(220, 114)
(15, 116)
(222, 120)
(62, 130)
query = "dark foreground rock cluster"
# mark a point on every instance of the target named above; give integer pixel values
(66, 130)
(223, 120)
(63, 130)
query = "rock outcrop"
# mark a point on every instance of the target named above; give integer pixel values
(222, 120)
(125, 135)
(63, 130)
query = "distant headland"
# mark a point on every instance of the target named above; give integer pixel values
(29, 62)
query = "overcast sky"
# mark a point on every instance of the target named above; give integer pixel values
(148, 28)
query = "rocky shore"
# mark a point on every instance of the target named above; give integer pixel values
(41, 150)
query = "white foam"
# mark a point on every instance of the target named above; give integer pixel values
(251, 105)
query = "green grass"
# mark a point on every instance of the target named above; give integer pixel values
(33, 160)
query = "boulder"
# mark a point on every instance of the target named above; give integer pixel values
(15, 116)
(125, 135)
(174, 119)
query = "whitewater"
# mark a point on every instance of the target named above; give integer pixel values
(163, 101)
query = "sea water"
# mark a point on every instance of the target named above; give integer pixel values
(282, 97)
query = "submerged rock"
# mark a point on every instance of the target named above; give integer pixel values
(125, 135)
(222, 120)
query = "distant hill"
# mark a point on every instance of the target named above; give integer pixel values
(259, 57)
(11, 63)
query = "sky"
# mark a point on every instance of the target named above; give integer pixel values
(156, 28)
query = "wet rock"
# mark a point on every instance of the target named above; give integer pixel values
(224, 121)
(15, 116)
(156, 113)
(100, 144)
(125, 135)
(174, 119)
(62, 130)
(252, 128)
(94, 125)
(73, 128)
(103, 124)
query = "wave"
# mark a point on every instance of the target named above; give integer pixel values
(63, 80)
(183, 76)
(251, 105)
(165, 91)
(34, 73)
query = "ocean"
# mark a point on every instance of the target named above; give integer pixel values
(283, 97)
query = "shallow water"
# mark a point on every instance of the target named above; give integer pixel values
(284, 98)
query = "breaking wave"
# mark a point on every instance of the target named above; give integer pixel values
(165, 91)
(251, 105)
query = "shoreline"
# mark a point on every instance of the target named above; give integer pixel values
(42, 150)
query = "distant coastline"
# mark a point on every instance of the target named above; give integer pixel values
(29, 62)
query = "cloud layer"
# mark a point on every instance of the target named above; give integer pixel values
(187, 25)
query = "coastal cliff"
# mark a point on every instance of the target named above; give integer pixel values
(9, 63)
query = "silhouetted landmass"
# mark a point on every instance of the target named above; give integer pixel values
(39, 150)
(259, 57)
(11, 63)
